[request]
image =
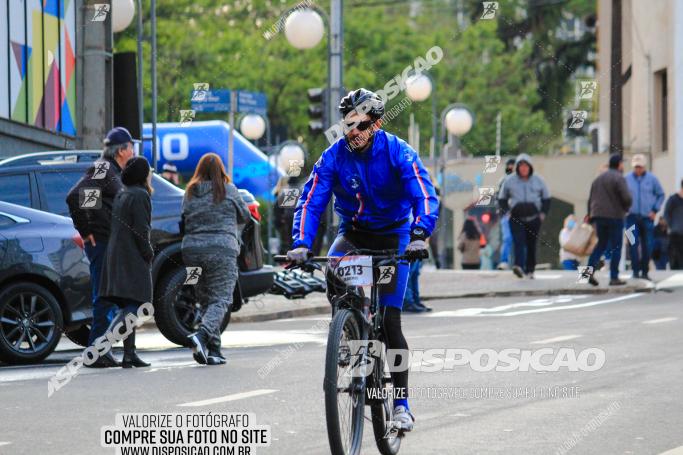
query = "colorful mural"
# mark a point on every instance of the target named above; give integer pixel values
(38, 62)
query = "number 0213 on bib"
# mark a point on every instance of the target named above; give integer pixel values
(354, 270)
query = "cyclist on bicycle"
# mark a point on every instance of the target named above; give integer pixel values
(384, 199)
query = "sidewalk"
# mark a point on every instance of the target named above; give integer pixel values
(453, 284)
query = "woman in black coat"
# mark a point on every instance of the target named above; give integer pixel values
(126, 274)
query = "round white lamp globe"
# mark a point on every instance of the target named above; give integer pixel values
(458, 121)
(122, 13)
(289, 154)
(253, 126)
(418, 87)
(304, 29)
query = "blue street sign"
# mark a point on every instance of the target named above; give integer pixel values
(211, 100)
(251, 102)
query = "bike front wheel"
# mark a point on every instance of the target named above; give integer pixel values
(344, 391)
(387, 437)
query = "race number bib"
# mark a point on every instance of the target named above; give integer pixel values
(354, 270)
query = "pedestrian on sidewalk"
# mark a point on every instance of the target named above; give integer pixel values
(435, 238)
(673, 214)
(569, 261)
(527, 198)
(660, 247)
(648, 197)
(469, 244)
(127, 269)
(608, 202)
(90, 204)
(212, 208)
(411, 300)
(506, 234)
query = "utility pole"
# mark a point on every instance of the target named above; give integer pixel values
(334, 84)
(616, 82)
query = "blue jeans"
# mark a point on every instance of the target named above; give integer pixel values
(570, 264)
(102, 310)
(610, 232)
(525, 234)
(506, 242)
(644, 233)
(412, 296)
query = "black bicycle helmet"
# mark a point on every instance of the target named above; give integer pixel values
(355, 98)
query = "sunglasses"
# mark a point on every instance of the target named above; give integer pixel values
(361, 126)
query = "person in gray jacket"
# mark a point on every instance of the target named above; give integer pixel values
(527, 198)
(608, 203)
(212, 209)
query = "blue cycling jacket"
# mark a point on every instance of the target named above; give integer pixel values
(385, 189)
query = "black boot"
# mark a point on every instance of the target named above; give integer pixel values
(215, 356)
(130, 357)
(108, 360)
(198, 341)
(105, 361)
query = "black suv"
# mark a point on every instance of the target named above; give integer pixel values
(42, 180)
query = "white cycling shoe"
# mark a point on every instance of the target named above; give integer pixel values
(404, 418)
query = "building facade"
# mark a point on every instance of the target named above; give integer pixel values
(652, 53)
(55, 75)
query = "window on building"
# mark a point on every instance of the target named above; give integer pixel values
(661, 111)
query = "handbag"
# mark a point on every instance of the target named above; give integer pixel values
(582, 240)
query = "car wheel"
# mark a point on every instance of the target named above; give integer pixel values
(176, 310)
(80, 336)
(30, 323)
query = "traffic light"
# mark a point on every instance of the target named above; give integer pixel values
(316, 110)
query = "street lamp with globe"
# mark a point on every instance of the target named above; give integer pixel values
(458, 120)
(418, 88)
(304, 28)
(122, 13)
(289, 157)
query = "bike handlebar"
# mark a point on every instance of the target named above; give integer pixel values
(376, 254)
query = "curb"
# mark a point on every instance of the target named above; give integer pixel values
(285, 314)
(325, 309)
(541, 292)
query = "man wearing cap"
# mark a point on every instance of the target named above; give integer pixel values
(648, 197)
(90, 204)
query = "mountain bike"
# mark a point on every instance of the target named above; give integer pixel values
(356, 374)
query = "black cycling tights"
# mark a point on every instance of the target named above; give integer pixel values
(395, 340)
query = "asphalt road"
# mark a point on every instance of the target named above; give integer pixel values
(632, 405)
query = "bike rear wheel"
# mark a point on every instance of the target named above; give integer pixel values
(344, 394)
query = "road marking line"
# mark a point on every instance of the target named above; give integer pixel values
(673, 281)
(4, 443)
(226, 398)
(676, 451)
(556, 339)
(658, 321)
(509, 306)
(483, 311)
